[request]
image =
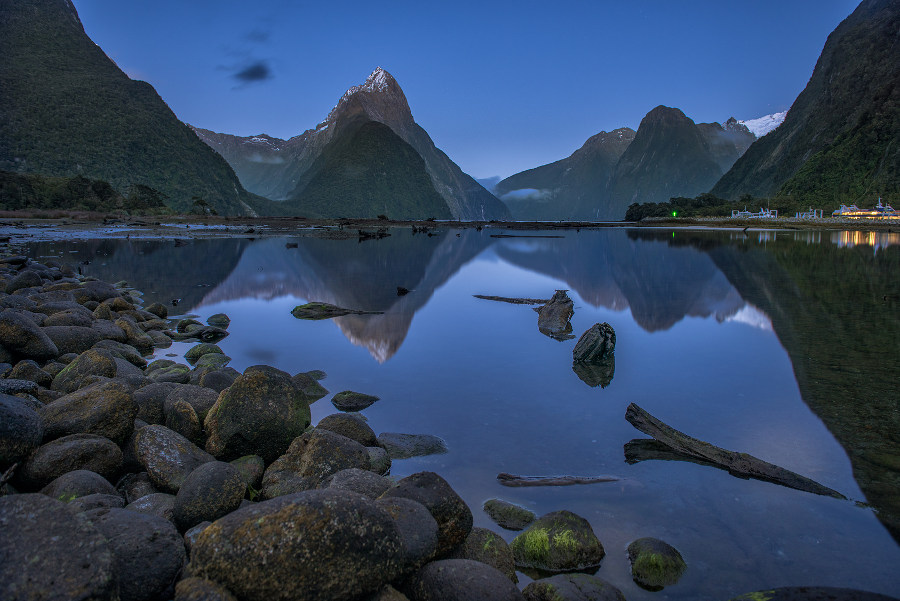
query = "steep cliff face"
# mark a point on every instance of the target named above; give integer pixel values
(66, 109)
(572, 188)
(839, 139)
(668, 157)
(726, 142)
(282, 169)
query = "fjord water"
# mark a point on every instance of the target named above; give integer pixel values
(782, 345)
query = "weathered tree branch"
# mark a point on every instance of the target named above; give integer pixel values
(513, 480)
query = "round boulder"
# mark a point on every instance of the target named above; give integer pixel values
(487, 547)
(461, 580)
(350, 425)
(201, 589)
(72, 338)
(453, 516)
(48, 552)
(572, 587)
(654, 563)
(78, 483)
(148, 552)
(168, 457)
(352, 401)
(105, 408)
(94, 362)
(358, 480)
(21, 430)
(22, 336)
(558, 542)
(212, 490)
(404, 446)
(69, 453)
(261, 413)
(418, 531)
(508, 515)
(320, 544)
(159, 504)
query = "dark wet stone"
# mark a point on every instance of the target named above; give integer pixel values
(28, 369)
(453, 516)
(251, 468)
(148, 552)
(197, 351)
(654, 563)
(166, 370)
(316, 310)
(201, 589)
(190, 536)
(310, 459)
(122, 351)
(487, 547)
(388, 593)
(554, 317)
(220, 320)
(151, 401)
(460, 580)
(379, 460)
(508, 515)
(14, 386)
(69, 453)
(404, 446)
(418, 531)
(212, 361)
(211, 491)
(78, 483)
(261, 413)
(28, 278)
(23, 337)
(309, 386)
(349, 425)
(181, 418)
(134, 486)
(89, 363)
(128, 371)
(136, 337)
(109, 331)
(359, 481)
(106, 408)
(96, 501)
(95, 290)
(21, 430)
(37, 318)
(572, 587)
(599, 373)
(202, 333)
(558, 542)
(72, 339)
(47, 552)
(70, 317)
(159, 504)
(167, 456)
(219, 379)
(160, 339)
(352, 401)
(313, 545)
(158, 309)
(597, 342)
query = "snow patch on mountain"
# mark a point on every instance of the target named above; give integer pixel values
(763, 125)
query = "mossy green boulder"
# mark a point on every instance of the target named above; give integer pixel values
(106, 408)
(198, 350)
(317, 544)
(349, 400)
(261, 413)
(211, 491)
(558, 542)
(654, 563)
(487, 547)
(93, 362)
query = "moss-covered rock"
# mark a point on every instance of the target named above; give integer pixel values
(219, 320)
(321, 544)
(93, 362)
(403, 446)
(261, 413)
(251, 468)
(461, 580)
(559, 541)
(508, 515)
(350, 425)
(166, 370)
(655, 564)
(201, 589)
(349, 400)
(198, 350)
(159, 504)
(72, 339)
(212, 490)
(309, 386)
(418, 531)
(487, 547)
(21, 430)
(812, 593)
(181, 418)
(78, 483)
(105, 408)
(69, 453)
(168, 457)
(23, 337)
(572, 587)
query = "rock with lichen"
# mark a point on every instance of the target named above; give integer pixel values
(559, 541)
(654, 563)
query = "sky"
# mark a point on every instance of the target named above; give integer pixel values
(501, 86)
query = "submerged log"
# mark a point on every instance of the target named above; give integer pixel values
(513, 480)
(515, 301)
(741, 465)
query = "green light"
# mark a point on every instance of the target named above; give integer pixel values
(674, 213)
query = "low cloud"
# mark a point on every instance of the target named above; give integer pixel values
(255, 72)
(527, 194)
(271, 160)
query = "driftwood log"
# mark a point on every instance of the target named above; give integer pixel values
(515, 301)
(513, 480)
(741, 465)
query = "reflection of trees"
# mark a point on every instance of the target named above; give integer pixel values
(837, 313)
(660, 284)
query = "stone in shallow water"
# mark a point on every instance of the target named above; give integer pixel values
(487, 547)
(559, 541)
(508, 515)
(461, 580)
(554, 317)
(812, 593)
(349, 400)
(572, 587)
(654, 563)
(404, 446)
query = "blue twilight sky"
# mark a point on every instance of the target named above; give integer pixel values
(501, 86)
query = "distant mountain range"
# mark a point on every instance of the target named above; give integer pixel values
(839, 141)
(668, 156)
(368, 157)
(67, 110)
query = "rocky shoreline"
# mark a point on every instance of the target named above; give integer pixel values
(135, 480)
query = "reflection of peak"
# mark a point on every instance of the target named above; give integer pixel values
(358, 276)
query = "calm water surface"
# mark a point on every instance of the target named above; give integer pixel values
(784, 346)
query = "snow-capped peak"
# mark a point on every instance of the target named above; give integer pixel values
(763, 125)
(377, 81)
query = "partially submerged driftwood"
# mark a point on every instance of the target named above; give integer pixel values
(515, 301)
(513, 480)
(741, 465)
